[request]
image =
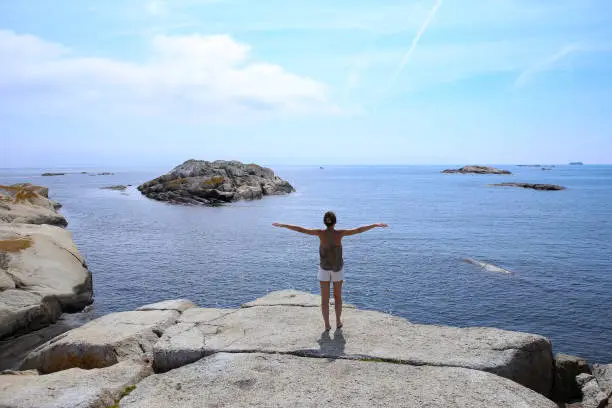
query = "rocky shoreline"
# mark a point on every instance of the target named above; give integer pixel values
(42, 273)
(273, 352)
(269, 352)
(198, 182)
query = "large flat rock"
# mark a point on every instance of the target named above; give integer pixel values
(240, 380)
(180, 305)
(292, 297)
(73, 388)
(103, 342)
(521, 357)
(42, 274)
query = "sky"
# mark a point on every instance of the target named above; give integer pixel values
(155, 82)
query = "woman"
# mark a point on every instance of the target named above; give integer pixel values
(331, 260)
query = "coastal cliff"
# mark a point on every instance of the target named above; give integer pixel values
(42, 273)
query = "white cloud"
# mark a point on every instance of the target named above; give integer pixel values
(194, 77)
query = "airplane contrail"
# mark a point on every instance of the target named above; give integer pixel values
(415, 41)
(524, 77)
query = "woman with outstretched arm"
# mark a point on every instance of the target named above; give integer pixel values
(331, 260)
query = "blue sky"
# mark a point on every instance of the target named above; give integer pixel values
(155, 82)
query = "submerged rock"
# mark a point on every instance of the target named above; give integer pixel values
(486, 266)
(208, 183)
(118, 188)
(541, 187)
(476, 170)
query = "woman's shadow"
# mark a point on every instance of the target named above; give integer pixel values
(331, 348)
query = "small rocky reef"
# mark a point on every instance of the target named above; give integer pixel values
(540, 187)
(120, 187)
(201, 182)
(476, 170)
(273, 352)
(42, 273)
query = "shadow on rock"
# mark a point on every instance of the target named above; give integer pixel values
(331, 348)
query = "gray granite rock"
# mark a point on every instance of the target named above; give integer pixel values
(592, 395)
(28, 204)
(42, 274)
(198, 182)
(103, 342)
(272, 380)
(180, 305)
(290, 297)
(13, 351)
(180, 345)
(603, 375)
(524, 358)
(567, 368)
(72, 388)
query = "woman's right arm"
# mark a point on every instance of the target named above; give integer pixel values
(296, 228)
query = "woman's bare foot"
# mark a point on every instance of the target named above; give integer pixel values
(339, 325)
(327, 328)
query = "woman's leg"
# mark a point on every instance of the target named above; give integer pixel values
(325, 303)
(338, 302)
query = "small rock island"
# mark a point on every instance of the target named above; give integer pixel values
(199, 182)
(541, 187)
(476, 170)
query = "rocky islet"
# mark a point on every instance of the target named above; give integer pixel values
(199, 182)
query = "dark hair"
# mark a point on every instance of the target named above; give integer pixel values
(329, 219)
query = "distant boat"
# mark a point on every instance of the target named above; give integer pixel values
(320, 168)
(576, 163)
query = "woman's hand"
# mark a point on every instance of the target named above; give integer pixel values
(381, 225)
(276, 224)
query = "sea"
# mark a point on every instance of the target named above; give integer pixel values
(557, 244)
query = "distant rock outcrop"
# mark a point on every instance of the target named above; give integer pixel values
(52, 174)
(118, 188)
(210, 183)
(541, 187)
(476, 170)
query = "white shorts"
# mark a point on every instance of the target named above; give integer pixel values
(331, 276)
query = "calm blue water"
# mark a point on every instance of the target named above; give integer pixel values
(558, 244)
